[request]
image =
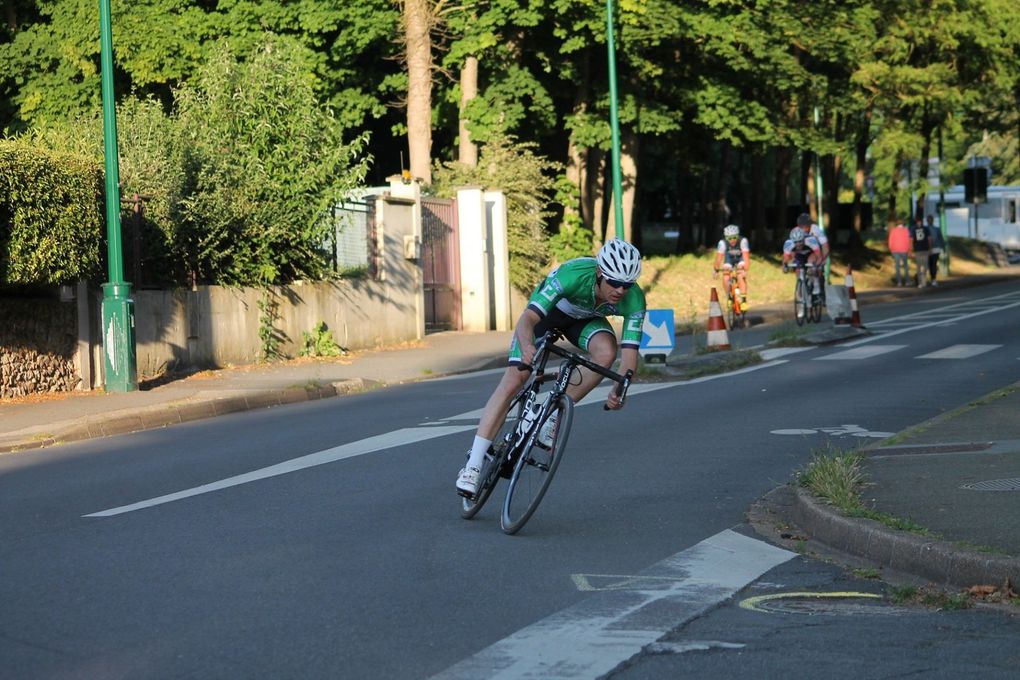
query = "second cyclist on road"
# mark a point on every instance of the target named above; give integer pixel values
(803, 250)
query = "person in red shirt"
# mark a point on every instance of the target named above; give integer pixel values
(899, 247)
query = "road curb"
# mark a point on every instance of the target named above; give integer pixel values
(186, 410)
(938, 561)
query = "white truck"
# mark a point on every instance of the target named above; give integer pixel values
(996, 217)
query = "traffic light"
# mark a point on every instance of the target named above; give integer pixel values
(975, 185)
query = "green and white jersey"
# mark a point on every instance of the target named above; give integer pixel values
(571, 289)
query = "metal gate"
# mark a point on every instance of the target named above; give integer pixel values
(440, 264)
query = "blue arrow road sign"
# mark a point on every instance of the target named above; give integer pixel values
(659, 331)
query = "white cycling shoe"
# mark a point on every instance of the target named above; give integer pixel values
(467, 481)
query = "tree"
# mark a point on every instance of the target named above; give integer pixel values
(267, 163)
(417, 25)
(526, 180)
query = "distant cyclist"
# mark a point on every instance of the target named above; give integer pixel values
(809, 227)
(575, 298)
(803, 250)
(733, 254)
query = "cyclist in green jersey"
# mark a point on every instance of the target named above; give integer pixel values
(575, 298)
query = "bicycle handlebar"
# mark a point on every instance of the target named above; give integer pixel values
(546, 343)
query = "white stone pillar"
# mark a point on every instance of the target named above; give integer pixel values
(495, 208)
(475, 258)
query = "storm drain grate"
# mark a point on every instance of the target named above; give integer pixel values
(995, 485)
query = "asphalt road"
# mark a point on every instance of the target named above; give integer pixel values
(324, 540)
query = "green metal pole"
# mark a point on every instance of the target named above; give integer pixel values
(820, 197)
(614, 124)
(118, 307)
(942, 212)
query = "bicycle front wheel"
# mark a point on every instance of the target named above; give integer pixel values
(535, 469)
(501, 446)
(800, 302)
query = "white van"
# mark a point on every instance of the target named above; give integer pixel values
(996, 218)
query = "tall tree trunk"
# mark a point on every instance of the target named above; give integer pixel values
(831, 169)
(782, 196)
(721, 208)
(756, 218)
(595, 198)
(894, 184)
(629, 149)
(807, 186)
(927, 129)
(861, 173)
(577, 157)
(467, 152)
(418, 42)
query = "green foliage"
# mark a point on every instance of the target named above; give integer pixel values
(320, 343)
(525, 178)
(269, 337)
(267, 162)
(50, 224)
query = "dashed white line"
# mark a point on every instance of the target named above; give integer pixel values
(860, 353)
(959, 352)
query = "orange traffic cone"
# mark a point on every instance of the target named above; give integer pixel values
(717, 336)
(855, 316)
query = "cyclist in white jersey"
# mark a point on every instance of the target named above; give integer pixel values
(733, 256)
(575, 298)
(805, 222)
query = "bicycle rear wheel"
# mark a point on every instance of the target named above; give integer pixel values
(800, 302)
(501, 444)
(535, 470)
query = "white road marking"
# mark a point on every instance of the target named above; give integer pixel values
(387, 441)
(959, 352)
(594, 636)
(776, 352)
(962, 306)
(852, 430)
(860, 353)
(358, 448)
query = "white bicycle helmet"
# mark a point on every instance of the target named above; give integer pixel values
(619, 261)
(797, 235)
(732, 230)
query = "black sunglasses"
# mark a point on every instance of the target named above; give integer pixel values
(619, 284)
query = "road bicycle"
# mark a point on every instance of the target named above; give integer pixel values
(520, 451)
(735, 312)
(807, 301)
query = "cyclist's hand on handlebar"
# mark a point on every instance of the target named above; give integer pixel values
(614, 402)
(528, 355)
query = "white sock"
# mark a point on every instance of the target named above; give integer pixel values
(478, 449)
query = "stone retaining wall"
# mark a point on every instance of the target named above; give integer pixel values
(37, 347)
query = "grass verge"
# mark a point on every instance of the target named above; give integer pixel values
(836, 477)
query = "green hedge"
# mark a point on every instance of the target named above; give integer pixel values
(50, 220)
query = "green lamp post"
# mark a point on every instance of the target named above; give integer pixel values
(614, 124)
(118, 307)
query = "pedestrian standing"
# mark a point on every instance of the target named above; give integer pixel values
(899, 247)
(938, 244)
(921, 244)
